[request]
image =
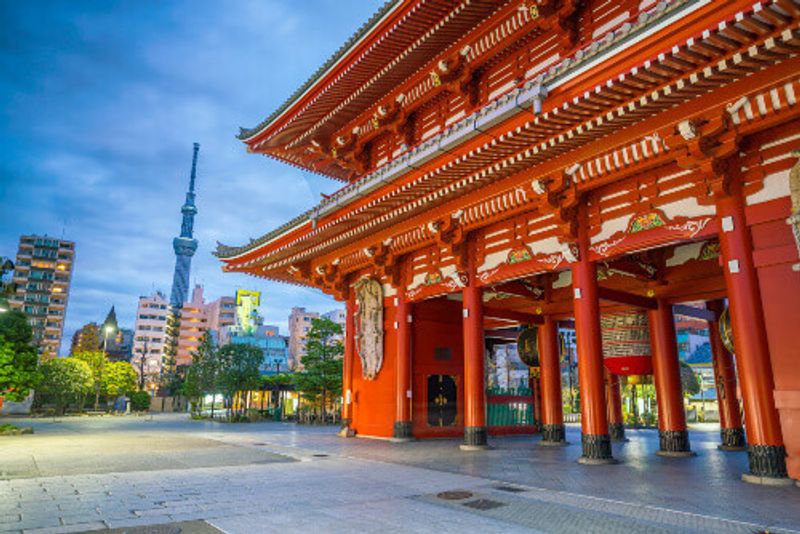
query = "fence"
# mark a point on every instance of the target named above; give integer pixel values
(510, 411)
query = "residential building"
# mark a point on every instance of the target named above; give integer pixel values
(149, 335)
(198, 317)
(338, 316)
(42, 275)
(299, 326)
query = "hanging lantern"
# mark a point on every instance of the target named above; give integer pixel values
(725, 329)
(626, 342)
(528, 346)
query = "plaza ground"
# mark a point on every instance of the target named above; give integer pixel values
(83, 474)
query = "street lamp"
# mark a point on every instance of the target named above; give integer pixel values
(108, 329)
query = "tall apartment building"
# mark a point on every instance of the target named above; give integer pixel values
(197, 317)
(149, 335)
(299, 325)
(42, 275)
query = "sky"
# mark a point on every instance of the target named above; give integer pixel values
(100, 102)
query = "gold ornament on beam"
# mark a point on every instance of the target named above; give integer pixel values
(726, 330)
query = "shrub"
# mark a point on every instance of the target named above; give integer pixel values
(140, 401)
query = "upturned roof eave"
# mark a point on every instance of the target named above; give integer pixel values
(248, 134)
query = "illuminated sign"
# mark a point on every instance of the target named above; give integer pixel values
(247, 303)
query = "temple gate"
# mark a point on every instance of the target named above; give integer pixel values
(520, 163)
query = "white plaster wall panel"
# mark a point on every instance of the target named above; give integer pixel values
(775, 186)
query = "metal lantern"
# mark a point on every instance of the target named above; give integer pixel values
(725, 329)
(528, 346)
(626, 342)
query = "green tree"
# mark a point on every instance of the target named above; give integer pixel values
(239, 369)
(90, 340)
(66, 379)
(119, 378)
(19, 361)
(97, 362)
(322, 374)
(689, 380)
(202, 376)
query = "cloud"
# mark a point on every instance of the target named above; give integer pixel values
(99, 105)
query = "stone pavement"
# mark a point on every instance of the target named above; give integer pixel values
(285, 478)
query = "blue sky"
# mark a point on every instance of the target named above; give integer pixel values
(100, 103)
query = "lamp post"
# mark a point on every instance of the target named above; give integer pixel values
(106, 330)
(144, 353)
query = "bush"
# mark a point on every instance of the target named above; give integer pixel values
(140, 401)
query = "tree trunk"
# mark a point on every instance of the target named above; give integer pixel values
(213, 398)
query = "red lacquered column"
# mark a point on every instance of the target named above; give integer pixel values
(474, 389)
(766, 452)
(672, 433)
(616, 424)
(550, 365)
(730, 414)
(347, 367)
(402, 423)
(595, 440)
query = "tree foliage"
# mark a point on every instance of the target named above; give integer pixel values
(89, 339)
(19, 361)
(239, 368)
(689, 380)
(65, 380)
(322, 373)
(119, 378)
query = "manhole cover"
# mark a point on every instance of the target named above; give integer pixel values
(454, 495)
(154, 529)
(320, 455)
(510, 489)
(259, 444)
(484, 504)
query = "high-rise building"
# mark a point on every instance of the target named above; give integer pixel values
(149, 335)
(198, 317)
(299, 325)
(184, 246)
(42, 275)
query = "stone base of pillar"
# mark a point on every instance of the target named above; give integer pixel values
(402, 431)
(475, 438)
(674, 444)
(596, 450)
(346, 431)
(553, 435)
(767, 465)
(732, 439)
(617, 432)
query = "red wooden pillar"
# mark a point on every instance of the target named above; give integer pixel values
(766, 451)
(730, 414)
(402, 423)
(347, 367)
(474, 388)
(550, 364)
(672, 433)
(595, 440)
(616, 424)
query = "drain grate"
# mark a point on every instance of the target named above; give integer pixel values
(484, 504)
(259, 444)
(510, 489)
(456, 495)
(320, 455)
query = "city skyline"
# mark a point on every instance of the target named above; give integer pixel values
(100, 131)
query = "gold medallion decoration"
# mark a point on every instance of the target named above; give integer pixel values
(528, 347)
(725, 329)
